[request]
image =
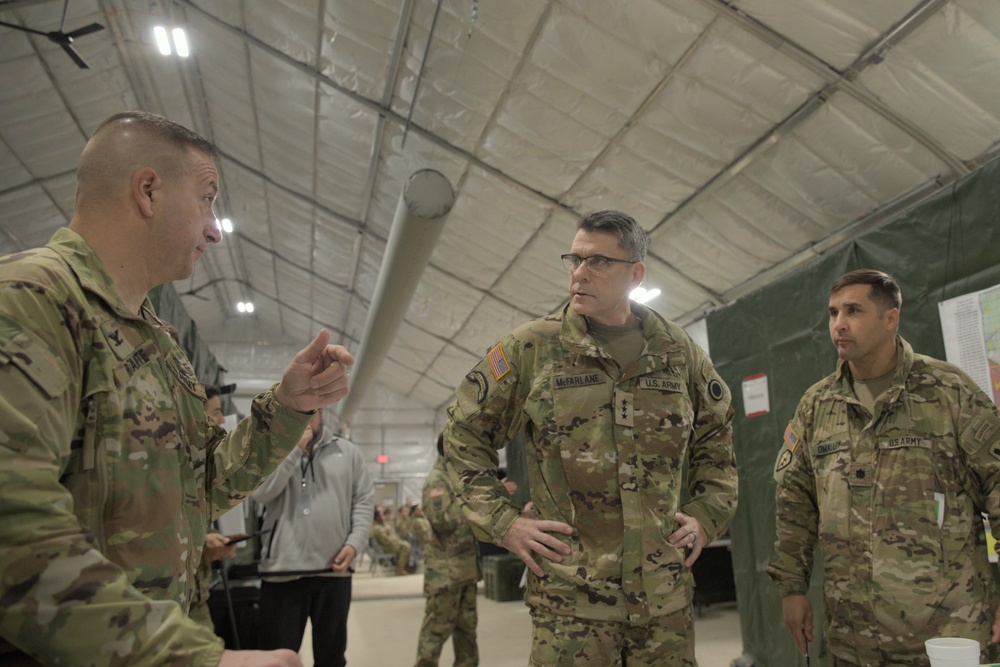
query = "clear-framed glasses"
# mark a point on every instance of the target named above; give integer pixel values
(596, 263)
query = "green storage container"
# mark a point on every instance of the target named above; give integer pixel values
(502, 576)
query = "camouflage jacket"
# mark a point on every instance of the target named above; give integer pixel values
(109, 469)
(422, 530)
(386, 538)
(894, 501)
(605, 454)
(451, 556)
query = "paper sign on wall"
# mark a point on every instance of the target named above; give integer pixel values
(755, 398)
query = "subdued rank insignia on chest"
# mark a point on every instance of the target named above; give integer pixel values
(660, 383)
(624, 408)
(116, 340)
(784, 460)
(861, 475)
(434, 493)
(498, 362)
(479, 380)
(715, 390)
(581, 380)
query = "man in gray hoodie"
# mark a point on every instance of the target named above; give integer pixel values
(318, 506)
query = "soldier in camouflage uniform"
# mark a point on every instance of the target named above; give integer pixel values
(451, 570)
(388, 541)
(109, 469)
(422, 530)
(614, 401)
(886, 466)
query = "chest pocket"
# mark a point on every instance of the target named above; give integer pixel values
(582, 425)
(664, 412)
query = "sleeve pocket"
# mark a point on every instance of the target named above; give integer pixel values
(26, 352)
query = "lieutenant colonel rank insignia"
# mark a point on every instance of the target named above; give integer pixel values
(498, 362)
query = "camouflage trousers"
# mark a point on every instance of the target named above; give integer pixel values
(199, 600)
(568, 641)
(450, 612)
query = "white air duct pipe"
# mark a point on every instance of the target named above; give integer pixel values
(424, 205)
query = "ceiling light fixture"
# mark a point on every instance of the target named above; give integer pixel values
(162, 41)
(643, 295)
(245, 306)
(180, 43)
(227, 225)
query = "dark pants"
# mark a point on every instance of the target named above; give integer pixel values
(285, 607)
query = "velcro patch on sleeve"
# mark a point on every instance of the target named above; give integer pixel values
(498, 362)
(791, 437)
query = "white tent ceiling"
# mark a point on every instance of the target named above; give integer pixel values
(748, 136)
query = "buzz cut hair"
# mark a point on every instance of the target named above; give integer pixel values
(883, 288)
(631, 237)
(159, 127)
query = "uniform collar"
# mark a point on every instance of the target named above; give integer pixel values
(904, 362)
(659, 341)
(90, 270)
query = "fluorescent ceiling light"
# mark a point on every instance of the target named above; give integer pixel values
(181, 42)
(162, 41)
(643, 295)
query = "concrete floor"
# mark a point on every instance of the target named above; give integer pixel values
(387, 611)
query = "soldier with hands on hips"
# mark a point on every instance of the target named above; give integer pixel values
(614, 401)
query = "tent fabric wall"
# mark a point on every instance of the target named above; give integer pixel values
(945, 247)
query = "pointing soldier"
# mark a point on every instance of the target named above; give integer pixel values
(887, 465)
(613, 400)
(109, 468)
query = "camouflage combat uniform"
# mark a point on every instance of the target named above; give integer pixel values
(605, 451)
(451, 570)
(865, 490)
(388, 541)
(422, 530)
(109, 469)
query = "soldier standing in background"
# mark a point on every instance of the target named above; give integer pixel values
(886, 466)
(614, 400)
(109, 468)
(451, 570)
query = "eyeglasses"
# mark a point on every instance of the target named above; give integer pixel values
(596, 263)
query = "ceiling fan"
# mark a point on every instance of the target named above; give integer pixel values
(63, 39)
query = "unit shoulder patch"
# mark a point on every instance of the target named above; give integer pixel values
(479, 379)
(715, 389)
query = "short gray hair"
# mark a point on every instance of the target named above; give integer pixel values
(631, 237)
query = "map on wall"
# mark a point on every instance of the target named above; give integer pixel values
(971, 328)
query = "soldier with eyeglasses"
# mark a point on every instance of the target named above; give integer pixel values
(614, 401)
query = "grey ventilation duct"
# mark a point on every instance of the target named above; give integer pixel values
(424, 205)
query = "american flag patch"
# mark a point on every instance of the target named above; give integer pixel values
(498, 362)
(791, 438)
(436, 492)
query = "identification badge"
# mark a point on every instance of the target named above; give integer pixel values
(624, 408)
